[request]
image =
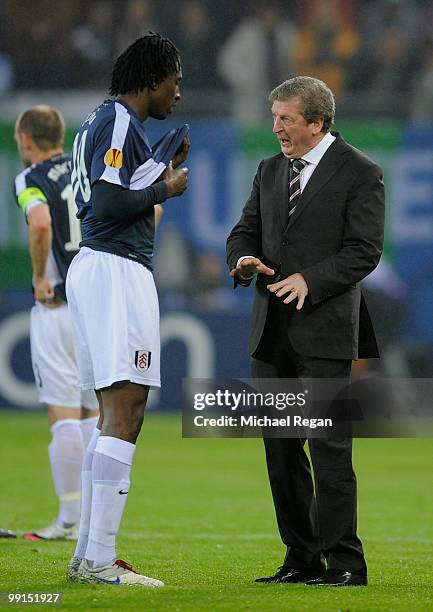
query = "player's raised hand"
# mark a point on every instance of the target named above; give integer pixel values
(249, 266)
(176, 180)
(182, 152)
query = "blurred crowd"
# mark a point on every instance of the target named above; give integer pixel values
(374, 54)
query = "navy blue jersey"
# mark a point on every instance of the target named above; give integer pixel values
(49, 182)
(112, 146)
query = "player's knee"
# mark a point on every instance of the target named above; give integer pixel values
(135, 421)
(123, 421)
(123, 411)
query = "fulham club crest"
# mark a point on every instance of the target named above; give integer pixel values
(142, 360)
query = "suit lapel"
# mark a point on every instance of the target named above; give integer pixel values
(330, 163)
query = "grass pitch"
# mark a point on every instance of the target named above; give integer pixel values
(200, 517)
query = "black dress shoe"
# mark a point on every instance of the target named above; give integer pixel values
(289, 574)
(282, 571)
(339, 578)
(295, 575)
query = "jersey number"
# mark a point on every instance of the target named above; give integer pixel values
(79, 178)
(67, 196)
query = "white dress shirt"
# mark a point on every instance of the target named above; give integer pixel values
(313, 157)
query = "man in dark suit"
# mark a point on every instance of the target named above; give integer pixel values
(311, 230)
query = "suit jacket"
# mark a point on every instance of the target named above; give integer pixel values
(334, 239)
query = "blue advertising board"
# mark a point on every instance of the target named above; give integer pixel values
(194, 344)
(212, 342)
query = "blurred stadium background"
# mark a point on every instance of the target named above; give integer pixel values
(377, 56)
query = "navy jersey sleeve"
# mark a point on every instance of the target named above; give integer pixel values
(119, 156)
(108, 157)
(29, 190)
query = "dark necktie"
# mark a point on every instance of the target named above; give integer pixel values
(296, 166)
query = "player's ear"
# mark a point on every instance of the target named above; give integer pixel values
(26, 139)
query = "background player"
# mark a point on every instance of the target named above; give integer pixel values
(44, 193)
(111, 290)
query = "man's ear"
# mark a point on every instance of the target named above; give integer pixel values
(317, 126)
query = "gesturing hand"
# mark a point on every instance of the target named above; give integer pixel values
(249, 266)
(293, 285)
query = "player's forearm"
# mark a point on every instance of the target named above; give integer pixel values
(39, 247)
(114, 203)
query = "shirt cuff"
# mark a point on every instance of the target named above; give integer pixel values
(239, 261)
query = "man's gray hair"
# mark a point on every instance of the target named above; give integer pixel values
(316, 100)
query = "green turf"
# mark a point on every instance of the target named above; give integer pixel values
(200, 517)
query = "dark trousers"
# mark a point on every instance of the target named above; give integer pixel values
(317, 521)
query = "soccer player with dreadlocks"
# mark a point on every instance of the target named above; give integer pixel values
(117, 182)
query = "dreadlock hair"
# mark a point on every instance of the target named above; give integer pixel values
(145, 63)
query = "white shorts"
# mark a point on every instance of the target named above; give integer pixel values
(54, 361)
(115, 313)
